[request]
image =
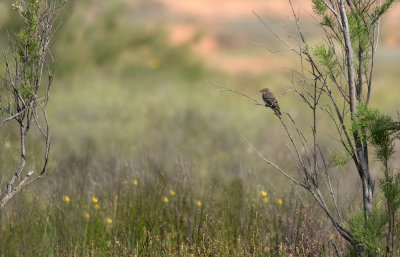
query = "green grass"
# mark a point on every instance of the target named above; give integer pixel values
(204, 217)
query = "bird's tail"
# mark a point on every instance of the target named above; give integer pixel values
(278, 111)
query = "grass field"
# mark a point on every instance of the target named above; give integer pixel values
(147, 157)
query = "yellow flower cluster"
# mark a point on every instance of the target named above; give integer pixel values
(96, 206)
(266, 200)
(165, 198)
(264, 196)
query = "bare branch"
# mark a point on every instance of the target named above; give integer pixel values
(272, 164)
(266, 48)
(11, 118)
(15, 190)
(350, 59)
(275, 34)
(256, 102)
(332, 9)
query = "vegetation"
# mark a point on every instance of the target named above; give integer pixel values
(144, 212)
(341, 68)
(147, 160)
(380, 231)
(25, 89)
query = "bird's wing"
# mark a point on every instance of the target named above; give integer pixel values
(267, 101)
(270, 98)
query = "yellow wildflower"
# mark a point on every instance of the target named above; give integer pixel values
(94, 200)
(279, 200)
(263, 193)
(198, 203)
(109, 221)
(172, 192)
(135, 182)
(265, 200)
(87, 215)
(66, 198)
(96, 206)
(165, 199)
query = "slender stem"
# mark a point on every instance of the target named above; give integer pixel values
(349, 58)
(271, 163)
(23, 159)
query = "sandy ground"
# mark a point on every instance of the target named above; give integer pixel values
(190, 18)
(224, 10)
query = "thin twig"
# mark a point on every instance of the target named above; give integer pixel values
(256, 102)
(271, 163)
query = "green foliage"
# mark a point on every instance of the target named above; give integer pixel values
(27, 92)
(380, 10)
(390, 187)
(326, 57)
(361, 37)
(319, 7)
(339, 160)
(328, 21)
(377, 126)
(369, 233)
(380, 132)
(27, 43)
(27, 39)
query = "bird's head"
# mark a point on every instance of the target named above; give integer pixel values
(264, 90)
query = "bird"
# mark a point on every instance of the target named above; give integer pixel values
(270, 101)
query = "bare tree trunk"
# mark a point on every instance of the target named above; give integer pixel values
(368, 193)
(361, 161)
(349, 58)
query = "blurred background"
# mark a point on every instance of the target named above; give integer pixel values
(131, 83)
(131, 94)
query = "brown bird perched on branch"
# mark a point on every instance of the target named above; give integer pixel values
(270, 101)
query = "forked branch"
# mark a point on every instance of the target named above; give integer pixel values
(25, 92)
